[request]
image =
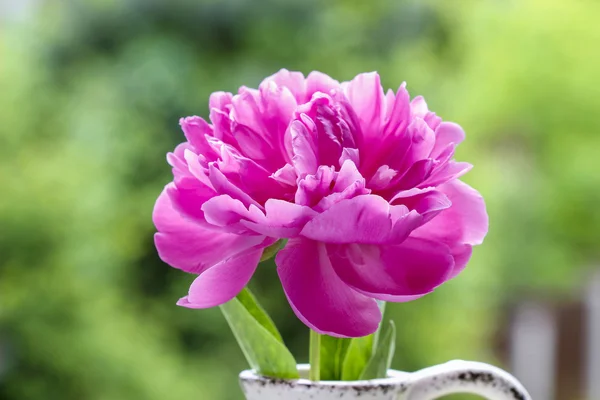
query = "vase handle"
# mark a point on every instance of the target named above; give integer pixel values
(459, 376)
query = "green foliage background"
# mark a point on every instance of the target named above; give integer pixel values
(90, 96)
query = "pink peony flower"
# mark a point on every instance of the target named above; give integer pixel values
(362, 184)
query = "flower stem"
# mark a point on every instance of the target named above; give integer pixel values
(315, 356)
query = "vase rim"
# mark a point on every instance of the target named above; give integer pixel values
(394, 379)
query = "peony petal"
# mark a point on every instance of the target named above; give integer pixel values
(446, 133)
(250, 177)
(190, 246)
(347, 175)
(224, 211)
(362, 219)
(187, 197)
(462, 255)
(353, 135)
(366, 96)
(278, 106)
(465, 222)
(450, 171)
(256, 147)
(392, 146)
(382, 177)
(353, 190)
(222, 282)
(327, 129)
(400, 115)
(196, 165)
(176, 159)
(312, 188)
(427, 202)
(246, 110)
(294, 81)
(349, 154)
(432, 120)
(222, 126)
(330, 133)
(319, 297)
(196, 129)
(404, 222)
(416, 175)
(281, 220)
(319, 82)
(418, 107)
(412, 268)
(444, 156)
(390, 100)
(285, 175)
(423, 140)
(303, 147)
(222, 186)
(220, 100)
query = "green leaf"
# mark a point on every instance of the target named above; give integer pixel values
(270, 251)
(382, 357)
(258, 338)
(333, 352)
(260, 315)
(360, 351)
(357, 356)
(377, 333)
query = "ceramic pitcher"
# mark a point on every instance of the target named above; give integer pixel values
(485, 380)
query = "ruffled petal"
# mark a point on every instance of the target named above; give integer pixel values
(450, 171)
(365, 219)
(223, 186)
(222, 282)
(319, 82)
(423, 140)
(400, 115)
(413, 268)
(382, 177)
(220, 100)
(304, 149)
(319, 297)
(292, 80)
(331, 131)
(278, 106)
(417, 174)
(427, 202)
(286, 175)
(312, 188)
(462, 255)
(392, 146)
(418, 107)
(465, 222)
(446, 133)
(366, 96)
(196, 129)
(187, 245)
(187, 198)
(250, 177)
(222, 126)
(347, 175)
(280, 219)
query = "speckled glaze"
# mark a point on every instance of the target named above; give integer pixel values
(430, 383)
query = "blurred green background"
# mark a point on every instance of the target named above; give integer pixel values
(90, 96)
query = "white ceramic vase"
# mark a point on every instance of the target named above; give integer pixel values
(485, 380)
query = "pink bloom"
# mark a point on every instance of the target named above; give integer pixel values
(361, 182)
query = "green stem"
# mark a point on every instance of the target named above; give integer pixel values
(315, 356)
(378, 331)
